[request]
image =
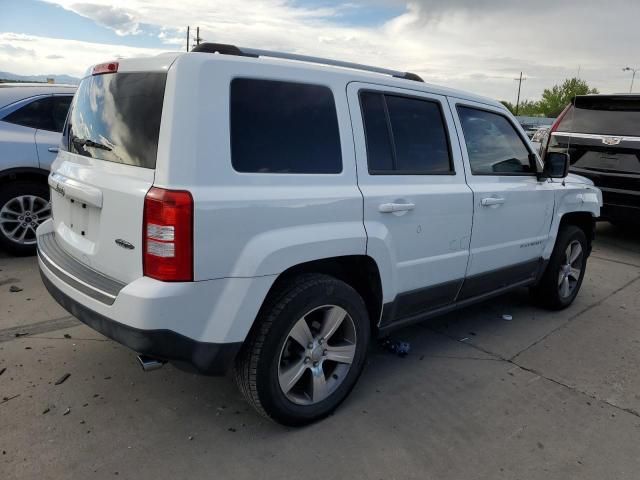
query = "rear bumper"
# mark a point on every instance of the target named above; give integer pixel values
(206, 358)
(200, 324)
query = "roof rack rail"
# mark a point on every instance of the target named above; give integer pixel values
(225, 49)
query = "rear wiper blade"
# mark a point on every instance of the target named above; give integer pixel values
(87, 142)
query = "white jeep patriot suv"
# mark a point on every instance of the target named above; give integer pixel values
(267, 213)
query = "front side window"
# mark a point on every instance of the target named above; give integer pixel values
(283, 127)
(404, 135)
(43, 114)
(493, 144)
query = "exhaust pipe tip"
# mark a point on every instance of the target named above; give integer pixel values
(149, 364)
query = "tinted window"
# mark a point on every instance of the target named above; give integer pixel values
(116, 117)
(59, 111)
(40, 114)
(379, 150)
(404, 135)
(493, 144)
(603, 115)
(282, 127)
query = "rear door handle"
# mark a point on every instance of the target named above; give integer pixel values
(53, 149)
(396, 207)
(490, 201)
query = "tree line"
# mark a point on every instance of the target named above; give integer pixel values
(553, 99)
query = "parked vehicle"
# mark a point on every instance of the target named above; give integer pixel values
(270, 216)
(31, 119)
(601, 133)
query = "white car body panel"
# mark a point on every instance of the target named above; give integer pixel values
(406, 242)
(249, 228)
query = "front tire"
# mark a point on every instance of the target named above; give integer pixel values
(306, 352)
(563, 276)
(23, 206)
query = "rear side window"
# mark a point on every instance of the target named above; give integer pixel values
(603, 115)
(46, 113)
(283, 127)
(493, 144)
(116, 118)
(404, 135)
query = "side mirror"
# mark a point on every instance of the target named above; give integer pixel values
(556, 165)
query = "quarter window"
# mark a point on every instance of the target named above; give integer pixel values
(493, 144)
(283, 127)
(404, 135)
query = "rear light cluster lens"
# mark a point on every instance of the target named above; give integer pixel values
(168, 235)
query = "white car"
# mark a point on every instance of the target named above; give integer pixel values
(31, 119)
(270, 214)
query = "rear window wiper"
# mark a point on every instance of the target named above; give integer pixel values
(87, 142)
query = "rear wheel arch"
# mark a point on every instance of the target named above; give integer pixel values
(23, 174)
(359, 271)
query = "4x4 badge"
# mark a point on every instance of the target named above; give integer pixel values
(611, 140)
(124, 244)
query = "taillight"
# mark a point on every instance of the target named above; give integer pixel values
(102, 68)
(168, 235)
(555, 126)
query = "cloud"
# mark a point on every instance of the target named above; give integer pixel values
(476, 45)
(118, 19)
(45, 55)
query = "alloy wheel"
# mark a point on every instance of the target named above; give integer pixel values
(570, 269)
(317, 355)
(20, 216)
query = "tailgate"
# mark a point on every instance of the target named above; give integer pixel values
(97, 214)
(104, 169)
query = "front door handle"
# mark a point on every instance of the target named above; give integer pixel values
(396, 207)
(53, 149)
(491, 201)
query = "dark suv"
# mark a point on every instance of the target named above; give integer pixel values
(602, 136)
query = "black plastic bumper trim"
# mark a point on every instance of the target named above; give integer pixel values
(206, 358)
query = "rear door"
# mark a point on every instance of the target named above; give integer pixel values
(512, 210)
(105, 167)
(417, 206)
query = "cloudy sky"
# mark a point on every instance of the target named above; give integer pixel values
(476, 45)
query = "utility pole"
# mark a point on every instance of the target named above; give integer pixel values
(198, 39)
(519, 80)
(633, 76)
(187, 38)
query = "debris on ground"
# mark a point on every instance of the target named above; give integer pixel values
(396, 346)
(190, 437)
(2, 370)
(15, 289)
(66, 335)
(20, 334)
(507, 317)
(231, 429)
(67, 411)
(62, 379)
(46, 410)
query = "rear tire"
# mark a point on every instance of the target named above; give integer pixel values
(563, 276)
(295, 384)
(23, 206)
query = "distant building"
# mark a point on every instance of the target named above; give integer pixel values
(51, 80)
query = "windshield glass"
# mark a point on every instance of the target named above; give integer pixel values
(116, 117)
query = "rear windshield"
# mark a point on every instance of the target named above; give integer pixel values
(116, 117)
(604, 116)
